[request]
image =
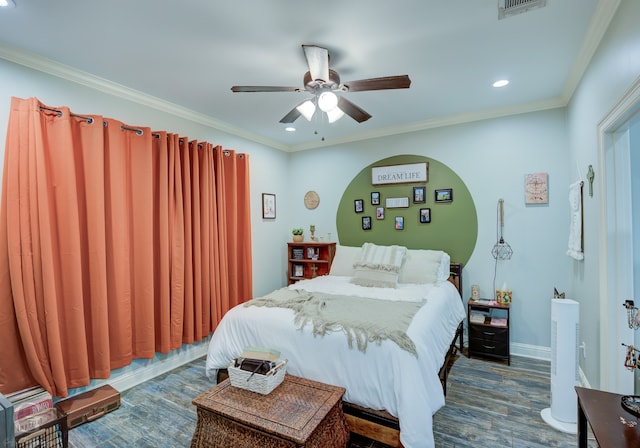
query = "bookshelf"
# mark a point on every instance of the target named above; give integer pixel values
(309, 259)
(488, 324)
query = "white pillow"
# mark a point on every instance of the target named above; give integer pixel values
(378, 266)
(343, 260)
(425, 266)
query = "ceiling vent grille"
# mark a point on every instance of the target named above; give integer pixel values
(508, 8)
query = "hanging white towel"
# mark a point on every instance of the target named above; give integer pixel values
(575, 230)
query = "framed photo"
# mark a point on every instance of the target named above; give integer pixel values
(375, 198)
(419, 196)
(366, 223)
(399, 223)
(444, 195)
(268, 206)
(425, 215)
(298, 270)
(379, 212)
(358, 205)
(311, 251)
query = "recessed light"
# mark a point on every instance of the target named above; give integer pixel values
(501, 83)
(290, 129)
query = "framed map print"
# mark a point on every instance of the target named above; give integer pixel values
(536, 188)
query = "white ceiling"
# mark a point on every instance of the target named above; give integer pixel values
(189, 53)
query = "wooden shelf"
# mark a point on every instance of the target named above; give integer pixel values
(309, 259)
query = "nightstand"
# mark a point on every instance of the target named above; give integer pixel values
(488, 329)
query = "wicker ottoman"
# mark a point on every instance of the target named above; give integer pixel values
(299, 413)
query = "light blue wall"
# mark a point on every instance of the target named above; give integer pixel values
(490, 156)
(612, 70)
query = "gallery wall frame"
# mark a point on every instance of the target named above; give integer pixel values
(443, 195)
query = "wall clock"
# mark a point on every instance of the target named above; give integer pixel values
(536, 188)
(311, 200)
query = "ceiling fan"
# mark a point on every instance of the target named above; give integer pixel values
(322, 82)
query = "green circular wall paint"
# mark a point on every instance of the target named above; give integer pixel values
(453, 227)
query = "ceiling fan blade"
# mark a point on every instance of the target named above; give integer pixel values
(265, 89)
(386, 82)
(291, 116)
(318, 62)
(352, 110)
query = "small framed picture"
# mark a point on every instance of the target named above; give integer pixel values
(399, 223)
(379, 212)
(425, 215)
(444, 195)
(268, 206)
(419, 195)
(375, 198)
(298, 270)
(358, 205)
(366, 223)
(311, 252)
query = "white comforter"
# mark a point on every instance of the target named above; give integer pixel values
(385, 377)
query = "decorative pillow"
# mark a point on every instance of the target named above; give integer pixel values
(425, 266)
(343, 260)
(378, 265)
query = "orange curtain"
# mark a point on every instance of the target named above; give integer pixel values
(115, 243)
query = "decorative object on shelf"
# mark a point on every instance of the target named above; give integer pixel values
(475, 292)
(419, 196)
(444, 195)
(558, 295)
(358, 205)
(503, 296)
(298, 234)
(312, 230)
(298, 270)
(268, 206)
(590, 176)
(375, 198)
(311, 200)
(425, 215)
(536, 188)
(298, 253)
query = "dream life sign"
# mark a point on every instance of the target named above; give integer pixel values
(399, 174)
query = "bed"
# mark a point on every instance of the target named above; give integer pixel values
(396, 375)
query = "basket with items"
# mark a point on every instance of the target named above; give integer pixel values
(257, 369)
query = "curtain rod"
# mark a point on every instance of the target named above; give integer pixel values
(90, 120)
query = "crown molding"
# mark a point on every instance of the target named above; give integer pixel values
(68, 73)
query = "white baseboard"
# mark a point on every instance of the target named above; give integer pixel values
(531, 351)
(543, 353)
(141, 370)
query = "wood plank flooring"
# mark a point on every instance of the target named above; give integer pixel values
(489, 404)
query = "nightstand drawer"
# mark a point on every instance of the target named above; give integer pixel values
(487, 333)
(482, 346)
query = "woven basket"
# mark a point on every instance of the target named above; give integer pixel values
(256, 382)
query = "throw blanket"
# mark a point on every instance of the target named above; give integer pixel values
(378, 266)
(361, 319)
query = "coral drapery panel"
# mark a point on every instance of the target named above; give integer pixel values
(115, 243)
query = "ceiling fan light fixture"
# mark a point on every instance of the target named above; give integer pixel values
(327, 101)
(7, 4)
(334, 114)
(307, 109)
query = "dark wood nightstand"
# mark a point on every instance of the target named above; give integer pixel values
(488, 329)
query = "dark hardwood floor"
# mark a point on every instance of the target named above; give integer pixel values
(489, 404)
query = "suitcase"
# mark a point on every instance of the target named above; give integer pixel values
(90, 405)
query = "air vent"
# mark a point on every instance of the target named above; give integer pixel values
(508, 8)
